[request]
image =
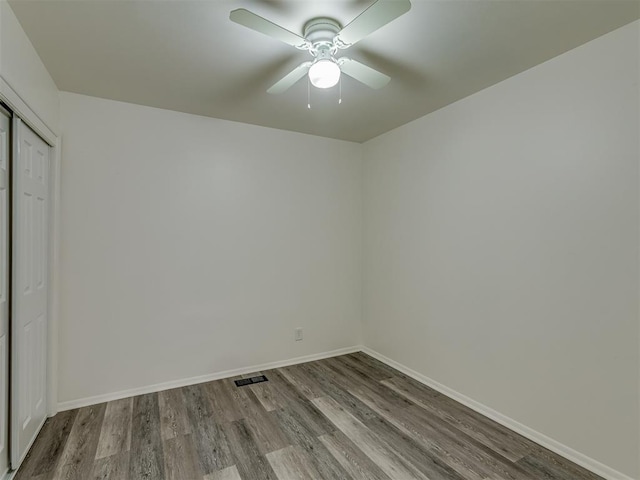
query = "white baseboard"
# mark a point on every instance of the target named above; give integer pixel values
(583, 460)
(158, 387)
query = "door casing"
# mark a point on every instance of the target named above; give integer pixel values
(5, 237)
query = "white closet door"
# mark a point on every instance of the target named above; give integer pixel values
(4, 290)
(29, 288)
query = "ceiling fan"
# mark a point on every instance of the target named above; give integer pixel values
(323, 38)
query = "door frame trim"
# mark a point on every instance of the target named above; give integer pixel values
(20, 108)
(5, 111)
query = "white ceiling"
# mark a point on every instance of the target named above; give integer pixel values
(188, 56)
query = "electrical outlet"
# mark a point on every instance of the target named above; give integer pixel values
(298, 334)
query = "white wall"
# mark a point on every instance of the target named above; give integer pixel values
(501, 248)
(22, 69)
(192, 245)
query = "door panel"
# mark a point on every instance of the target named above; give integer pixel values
(4, 290)
(29, 308)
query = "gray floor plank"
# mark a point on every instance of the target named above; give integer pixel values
(209, 438)
(229, 473)
(502, 440)
(292, 463)
(174, 420)
(251, 464)
(114, 467)
(438, 447)
(353, 460)
(43, 458)
(366, 441)
(462, 451)
(436, 464)
(323, 378)
(557, 461)
(147, 456)
(115, 434)
(306, 411)
(350, 417)
(181, 459)
(79, 452)
(376, 367)
(355, 372)
(266, 433)
(223, 403)
(299, 434)
(380, 398)
(300, 379)
(266, 393)
(547, 465)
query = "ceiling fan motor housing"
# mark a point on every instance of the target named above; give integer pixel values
(320, 32)
(321, 29)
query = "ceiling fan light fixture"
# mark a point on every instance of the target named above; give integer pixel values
(323, 37)
(324, 73)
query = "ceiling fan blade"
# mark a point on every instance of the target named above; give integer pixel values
(360, 72)
(290, 79)
(373, 18)
(259, 24)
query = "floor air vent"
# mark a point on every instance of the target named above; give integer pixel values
(251, 381)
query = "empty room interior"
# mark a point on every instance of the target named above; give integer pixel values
(319, 239)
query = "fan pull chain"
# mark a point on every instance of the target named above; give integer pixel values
(340, 87)
(308, 92)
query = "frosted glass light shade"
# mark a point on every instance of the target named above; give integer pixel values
(324, 74)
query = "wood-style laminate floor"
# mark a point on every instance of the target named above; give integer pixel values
(348, 417)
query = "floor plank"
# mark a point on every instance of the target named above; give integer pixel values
(147, 456)
(222, 400)
(299, 434)
(366, 441)
(358, 465)
(208, 436)
(174, 420)
(181, 459)
(42, 459)
(251, 464)
(229, 473)
(77, 458)
(344, 418)
(300, 379)
(114, 467)
(267, 394)
(291, 463)
(497, 437)
(115, 435)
